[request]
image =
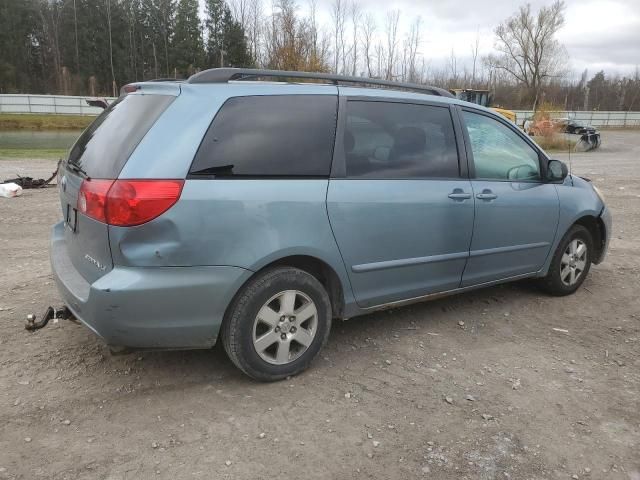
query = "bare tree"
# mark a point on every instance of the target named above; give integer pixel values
(475, 47)
(453, 67)
(75, 28)
(356, 13)
(636, 84)
(413, 43)
(240, 10)
(404, 62)
(320, 42)
(393, 18)
(288, 41)
(339, 14)
(249, 14)
(368, 29)
(380, 59)
(50, 21)
(255, 28)
(113, 75)
(424, 69)
(155, 60)
(528, 49)
(313, 22)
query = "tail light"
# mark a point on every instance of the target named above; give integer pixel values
(92, 199)
(126, 203)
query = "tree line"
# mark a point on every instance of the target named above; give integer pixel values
(95, 46)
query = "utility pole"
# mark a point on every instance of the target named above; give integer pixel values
(585, 107)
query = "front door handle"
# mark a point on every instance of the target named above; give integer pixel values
(486, 195)
(458, 194)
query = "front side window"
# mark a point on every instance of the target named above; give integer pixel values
(399, 140)
(270, 136)
(499, 153)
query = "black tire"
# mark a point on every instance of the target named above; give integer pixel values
(238, 325)
(552, 283)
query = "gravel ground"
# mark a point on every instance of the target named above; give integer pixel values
(477, 386)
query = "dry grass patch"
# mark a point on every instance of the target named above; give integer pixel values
(555, 143)
(28, 121)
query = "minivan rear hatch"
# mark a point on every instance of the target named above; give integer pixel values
(100, 153)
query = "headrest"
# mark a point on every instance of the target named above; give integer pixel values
(410, 140)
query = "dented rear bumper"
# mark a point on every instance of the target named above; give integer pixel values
(148, 307)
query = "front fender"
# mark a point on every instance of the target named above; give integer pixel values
(577, 200)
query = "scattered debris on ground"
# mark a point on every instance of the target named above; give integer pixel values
(30, 182)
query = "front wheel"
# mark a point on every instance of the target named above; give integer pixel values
(570, 264)
(277, 324)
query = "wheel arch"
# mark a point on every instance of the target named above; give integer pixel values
(322, 270)
(589, 219)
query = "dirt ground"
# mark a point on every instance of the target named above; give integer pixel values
(477, 386)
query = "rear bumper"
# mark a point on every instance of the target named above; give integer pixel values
(607, 221)
(148, 307)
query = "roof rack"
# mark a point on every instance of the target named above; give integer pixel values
(224, 75)
(164, 80)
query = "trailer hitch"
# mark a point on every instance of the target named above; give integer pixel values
(55, 314)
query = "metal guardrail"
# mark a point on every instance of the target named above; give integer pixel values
(595, 118)
(48, 104)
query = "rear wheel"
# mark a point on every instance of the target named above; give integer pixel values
(570, 264)
(277, 324)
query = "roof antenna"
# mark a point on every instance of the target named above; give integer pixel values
(570, 164)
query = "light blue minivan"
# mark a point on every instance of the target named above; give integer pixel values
(259, 211)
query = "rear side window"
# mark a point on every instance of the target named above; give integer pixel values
(270, 136)
(105, 146)
(399, 140)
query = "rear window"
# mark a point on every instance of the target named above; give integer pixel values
(270, 136)
(104, 147)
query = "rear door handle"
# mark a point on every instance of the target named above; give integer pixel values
(459, 195)
(486, 195)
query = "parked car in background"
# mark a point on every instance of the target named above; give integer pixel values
(589, 137)
(255, 213)
(574, 127)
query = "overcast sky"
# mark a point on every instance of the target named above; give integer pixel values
(598, 34)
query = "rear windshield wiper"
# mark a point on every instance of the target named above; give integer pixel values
(78, 169)
(220, 170)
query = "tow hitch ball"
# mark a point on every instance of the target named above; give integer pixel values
(55, 314)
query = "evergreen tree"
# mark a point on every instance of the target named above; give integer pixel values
(21, 65)
(214, 23)
(187, 45)
(226, 41)
(235, 42)
(159, 19)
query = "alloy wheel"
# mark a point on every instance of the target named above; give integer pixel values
(573, 262)
(285, 327)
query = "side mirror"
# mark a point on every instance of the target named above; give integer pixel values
(557, 171)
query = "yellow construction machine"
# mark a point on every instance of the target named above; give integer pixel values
(481, 97)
